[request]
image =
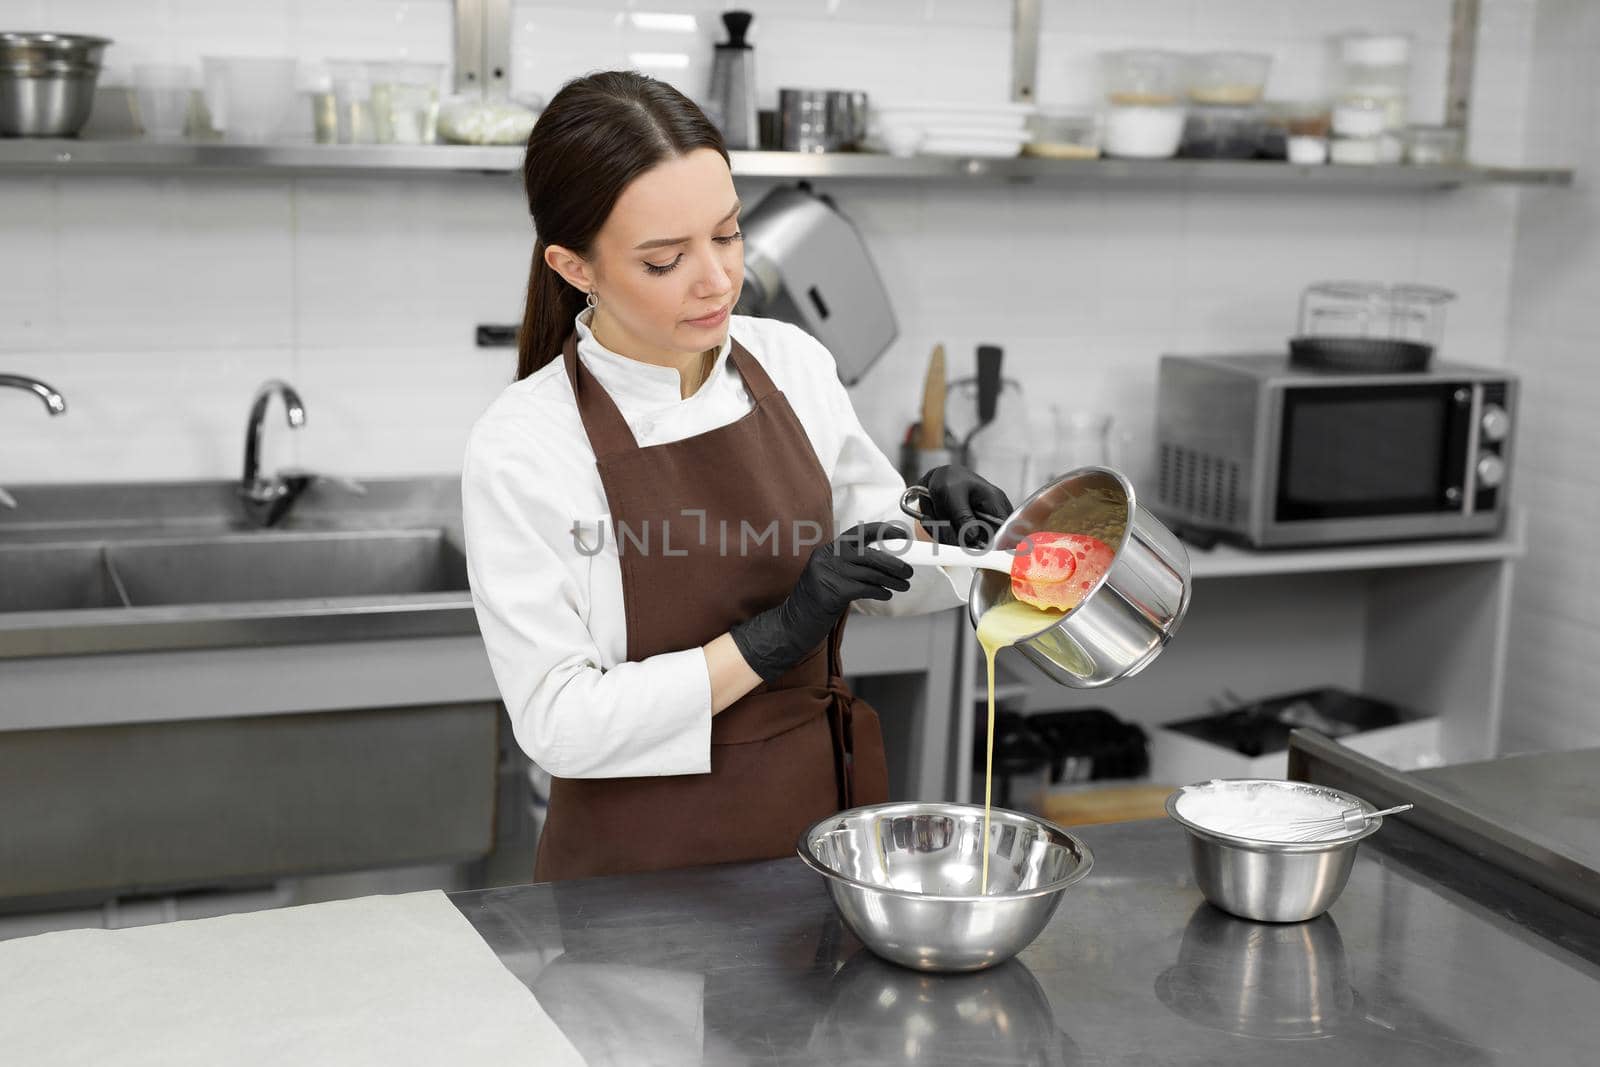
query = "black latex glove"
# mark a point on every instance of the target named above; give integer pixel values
(958, 496)
(837, 573)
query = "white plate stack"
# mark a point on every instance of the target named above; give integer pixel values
(934, 129)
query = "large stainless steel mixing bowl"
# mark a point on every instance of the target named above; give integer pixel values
(47, 82)
(1271, 881)
(906, 878)
(1128, 617)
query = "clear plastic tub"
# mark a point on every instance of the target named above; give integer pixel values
(1434, 145)
(1229, 79)
(162, 91)
(351, 80)
(1375, 311)
(249, 97)
(1063, 136)
(405, 102)
(1143, 77)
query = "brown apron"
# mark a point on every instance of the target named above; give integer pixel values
(787, 753)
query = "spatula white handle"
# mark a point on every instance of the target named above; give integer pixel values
(928, 554)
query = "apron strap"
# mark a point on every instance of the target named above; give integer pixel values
(754, 374)
(608, 431)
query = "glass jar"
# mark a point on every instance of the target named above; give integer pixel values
(1373, 70)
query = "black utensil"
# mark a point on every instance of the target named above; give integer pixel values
(989, 359)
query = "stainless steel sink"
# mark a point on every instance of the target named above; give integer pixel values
(56, 578)
(141, 567)
(285, 566)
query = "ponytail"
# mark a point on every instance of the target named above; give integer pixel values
(547, 317)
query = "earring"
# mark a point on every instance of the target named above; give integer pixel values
(590, 300)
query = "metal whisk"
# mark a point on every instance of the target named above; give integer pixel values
(1346, 822)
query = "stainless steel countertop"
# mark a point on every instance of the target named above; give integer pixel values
(1551, 798)
(1429, 956)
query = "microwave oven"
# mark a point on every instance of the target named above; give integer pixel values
(1268, 453)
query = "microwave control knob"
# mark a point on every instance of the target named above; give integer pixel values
(1491, 471)
(1495, 423)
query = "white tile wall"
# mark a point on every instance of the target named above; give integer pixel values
(1554, 334)
(156, 304)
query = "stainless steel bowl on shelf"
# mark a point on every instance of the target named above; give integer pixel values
(1271, 881)
(906, 879)
(47, 82)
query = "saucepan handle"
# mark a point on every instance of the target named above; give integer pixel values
(917, 502)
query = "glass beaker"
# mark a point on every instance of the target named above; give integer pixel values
(1082, 439)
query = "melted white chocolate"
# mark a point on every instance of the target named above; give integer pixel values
(1004, 624)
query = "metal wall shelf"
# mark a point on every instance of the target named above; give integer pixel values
(137, 156)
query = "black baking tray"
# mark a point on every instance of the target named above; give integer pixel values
(1263, 726)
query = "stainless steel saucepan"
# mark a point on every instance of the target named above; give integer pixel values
(1123, 623)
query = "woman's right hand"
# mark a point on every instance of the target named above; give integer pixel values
(848, 569)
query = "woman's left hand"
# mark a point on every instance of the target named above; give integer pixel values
(959, 499)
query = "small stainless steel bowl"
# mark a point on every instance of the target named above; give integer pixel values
(906, 877)
(1271, 881)
(47, 82)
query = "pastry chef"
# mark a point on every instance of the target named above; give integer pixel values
(670, 511)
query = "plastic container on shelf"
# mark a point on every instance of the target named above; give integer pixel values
(249, 97)
(1143, 77)
(352, 95)
(1286, 119)
(1434, 145)
(1144, 132)
(1070, 135)
(1374, 69)
(1216, 132)
(1228, 79)
(1355, 151)
(163, 91)
(1307, 151)
(405, 102)
(472, 118)
(1359, 118)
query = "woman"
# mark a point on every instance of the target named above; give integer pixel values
(651, 509)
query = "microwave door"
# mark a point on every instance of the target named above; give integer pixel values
(1371, 461)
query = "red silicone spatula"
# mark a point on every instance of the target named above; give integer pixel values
(1053, 571)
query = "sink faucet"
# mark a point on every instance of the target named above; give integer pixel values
(53, 403)
(266, 500)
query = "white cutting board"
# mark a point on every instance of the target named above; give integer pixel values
(388, 981)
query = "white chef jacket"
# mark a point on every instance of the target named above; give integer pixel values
(550, 606)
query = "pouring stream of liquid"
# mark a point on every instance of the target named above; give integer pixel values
(1004, 624)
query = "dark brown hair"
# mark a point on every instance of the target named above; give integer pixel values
(599, 133)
